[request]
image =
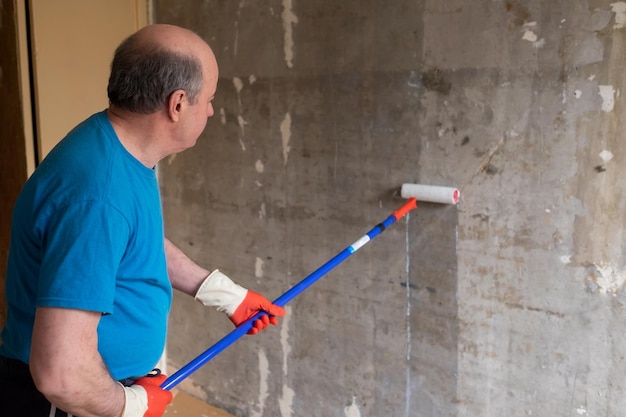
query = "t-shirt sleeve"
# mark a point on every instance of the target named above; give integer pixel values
(82, 246)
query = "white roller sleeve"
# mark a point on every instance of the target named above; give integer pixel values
(219, 291)
(431, 193)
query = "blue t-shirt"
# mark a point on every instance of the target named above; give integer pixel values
(87, 234)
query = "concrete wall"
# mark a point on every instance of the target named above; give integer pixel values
(511, 304)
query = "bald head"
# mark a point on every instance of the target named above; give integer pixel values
(156, 61)
(173, 38)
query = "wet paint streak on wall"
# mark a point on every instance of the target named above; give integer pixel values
(240, 120)
(289, 19)
(264, 374)
(285, 132)
(619, 8)
(352, 410)
(288, 394)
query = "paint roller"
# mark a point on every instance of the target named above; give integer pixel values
(412, 192)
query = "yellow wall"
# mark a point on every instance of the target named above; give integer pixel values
(74, 41)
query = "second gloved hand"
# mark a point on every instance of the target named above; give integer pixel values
(145, 398)
(238, 303)
(253, 303)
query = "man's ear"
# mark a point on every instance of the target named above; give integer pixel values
(176, 104)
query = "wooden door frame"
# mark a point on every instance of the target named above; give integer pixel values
(13, 142)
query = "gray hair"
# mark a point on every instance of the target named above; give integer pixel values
(144, 75)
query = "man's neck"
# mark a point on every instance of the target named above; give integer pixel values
(138, 133)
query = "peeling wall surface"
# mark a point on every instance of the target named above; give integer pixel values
(509, 304)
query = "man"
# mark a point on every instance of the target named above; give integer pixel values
(90, 273)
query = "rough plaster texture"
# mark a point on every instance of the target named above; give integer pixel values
(511, 304)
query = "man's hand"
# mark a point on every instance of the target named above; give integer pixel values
(238, 303)
(251, 305)
(145, 398)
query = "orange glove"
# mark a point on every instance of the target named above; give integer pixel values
(145, 398)
(252, 304)
(238, 303)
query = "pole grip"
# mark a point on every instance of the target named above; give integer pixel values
(408, 206)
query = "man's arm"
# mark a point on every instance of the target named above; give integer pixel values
(67, 367)
(185, 275)
(217, 290)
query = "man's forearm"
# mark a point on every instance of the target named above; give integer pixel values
(185, 275)
(104, 400)
(66, 366)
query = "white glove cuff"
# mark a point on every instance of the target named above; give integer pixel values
(219, 291)
(136, 401)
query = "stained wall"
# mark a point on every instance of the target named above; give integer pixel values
(509, 304)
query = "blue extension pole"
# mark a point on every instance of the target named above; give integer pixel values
(293, 292)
